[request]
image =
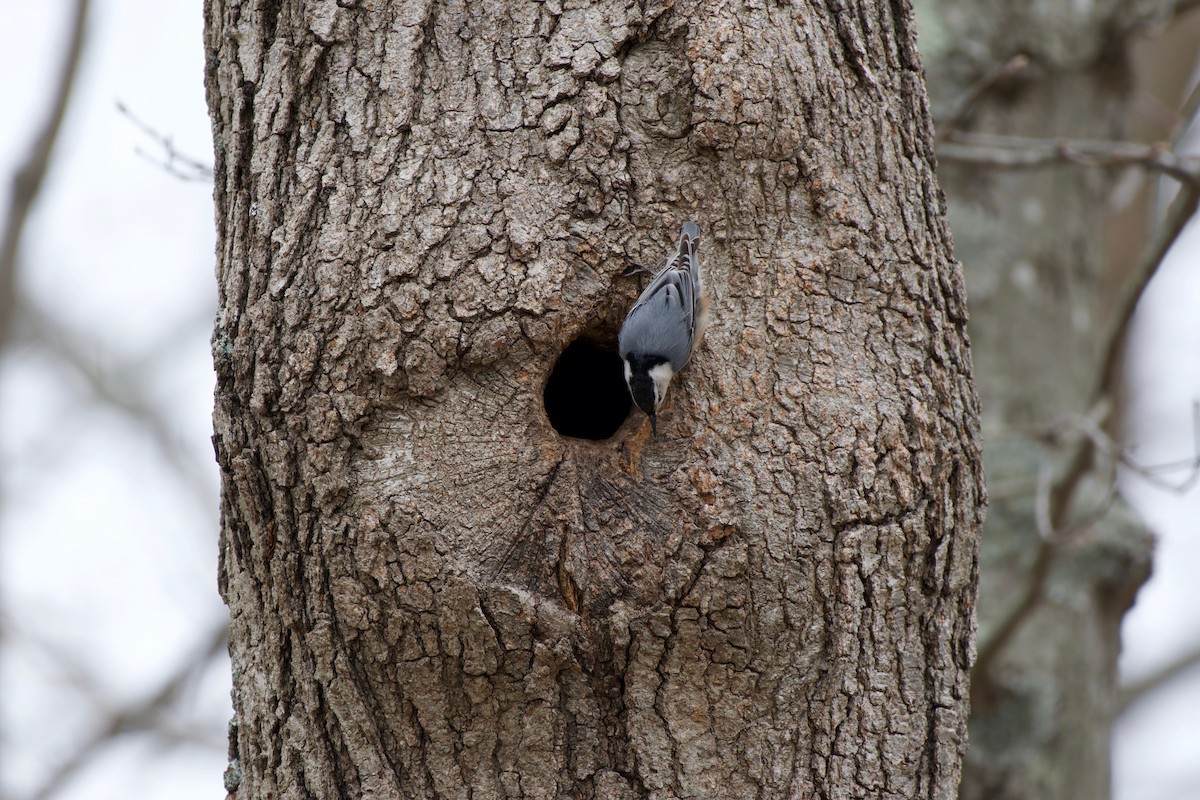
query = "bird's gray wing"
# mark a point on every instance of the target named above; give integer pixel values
(662, 321)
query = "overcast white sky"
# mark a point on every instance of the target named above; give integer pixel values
(105, 553)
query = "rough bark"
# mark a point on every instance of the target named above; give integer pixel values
(432, 593)
(1045, 285)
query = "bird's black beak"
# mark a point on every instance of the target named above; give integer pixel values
(653, 425)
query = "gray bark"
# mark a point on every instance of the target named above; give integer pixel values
(432, 593)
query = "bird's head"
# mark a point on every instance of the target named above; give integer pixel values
(648, 378)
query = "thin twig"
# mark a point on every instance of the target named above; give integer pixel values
(1041, 504)
(27, 182)
(175, 162)
(1105, 444)
(1092, 428)
(1078, 465)
(1187, 113)
(1050, 540)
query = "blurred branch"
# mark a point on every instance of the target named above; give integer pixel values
(27, 182)
(1079, 465)
(174, 163)
(1134, 16)
(70, 668)
(965, 107)
(1022, 152)
(121, 396)
(1138, 690)
(1160, 244)
(140, 716)
(1105, 444)
(1011, 152)
(1052, 508)
(1183, 123)
(989, 648)
(1187, 113)
(1050, 539)
(1178, 216)
(1052, 504)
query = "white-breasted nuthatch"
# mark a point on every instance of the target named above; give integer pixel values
(665, 326)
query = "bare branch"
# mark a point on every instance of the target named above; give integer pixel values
(70, 668)
(1097, 440)
(27, 183)
(1056, 494)
(174, 162)
(1020, 152)
(1079, 465)
(1052, 507)
(1105, 444)
(1181, 212)
(140, 716)
(1031, 598)
(1178, 216)
(1136, 691)
(1182, 123)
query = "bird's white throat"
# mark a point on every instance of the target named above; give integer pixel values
(661, 374)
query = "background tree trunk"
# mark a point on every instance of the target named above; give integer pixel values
(1048, 293)
(432, 593)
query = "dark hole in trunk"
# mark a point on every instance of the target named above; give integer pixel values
(586, 396)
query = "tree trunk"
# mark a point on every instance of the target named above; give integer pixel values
(1047, 291)
(435, 594)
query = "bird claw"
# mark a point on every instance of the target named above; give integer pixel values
(635, 268)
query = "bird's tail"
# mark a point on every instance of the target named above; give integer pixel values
(689, 245)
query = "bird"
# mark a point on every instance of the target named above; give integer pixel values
(664, 327)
